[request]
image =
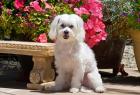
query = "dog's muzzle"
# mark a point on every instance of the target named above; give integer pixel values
(66, 34)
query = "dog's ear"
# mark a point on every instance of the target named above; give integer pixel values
(53, 28)
(80, 26)
(82, 30)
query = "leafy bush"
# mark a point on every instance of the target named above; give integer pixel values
(115, 12)
(133, 15)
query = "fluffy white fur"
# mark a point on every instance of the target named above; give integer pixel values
(75, 61)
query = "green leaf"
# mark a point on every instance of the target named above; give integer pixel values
(85, 17)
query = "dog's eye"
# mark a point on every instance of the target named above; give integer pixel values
(71, 26)
(63, 26)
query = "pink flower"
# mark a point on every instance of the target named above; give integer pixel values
(92, 1)
(97, 10)
(94, 7)
(48, 6)
(74, 1)
(80, 11)
(90, 41)
(19, 4)
(103, 35)
(18, 14)
(36, 6)
(96, 38)
(46, 21)
(71, 1)
(97, 24)
(42, 38)
(27, 8)
(9, 12)
(89, 24)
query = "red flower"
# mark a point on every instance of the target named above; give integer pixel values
(42, 38)
(36, 6)
(19, 4)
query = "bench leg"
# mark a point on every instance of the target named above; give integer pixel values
(42, 72)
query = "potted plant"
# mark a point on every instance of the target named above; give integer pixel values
(133, 17)
(109, 52)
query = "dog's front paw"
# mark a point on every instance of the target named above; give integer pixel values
(53, 88)
(85, 90)
(100, 89)
(74, 90)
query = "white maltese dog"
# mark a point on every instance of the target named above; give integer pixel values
(74, 60)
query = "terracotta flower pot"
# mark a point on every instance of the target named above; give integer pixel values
(135, 34)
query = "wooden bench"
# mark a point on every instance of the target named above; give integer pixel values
(42, 57)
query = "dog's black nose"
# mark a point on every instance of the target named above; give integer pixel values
(66, 32)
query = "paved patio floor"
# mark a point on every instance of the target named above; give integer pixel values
(118, 85)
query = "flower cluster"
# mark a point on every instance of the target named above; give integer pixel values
(34, 16)
(91, 12)
(24, 17)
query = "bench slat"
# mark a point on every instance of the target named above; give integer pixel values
(27, 48)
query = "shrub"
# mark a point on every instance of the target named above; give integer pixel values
(33, 17)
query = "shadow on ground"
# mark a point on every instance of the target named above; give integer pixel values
(125, 80)
(13, 84)
(106, 76)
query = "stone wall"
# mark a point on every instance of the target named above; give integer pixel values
(128, 57)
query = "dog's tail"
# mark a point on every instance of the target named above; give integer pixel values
(86, 89)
